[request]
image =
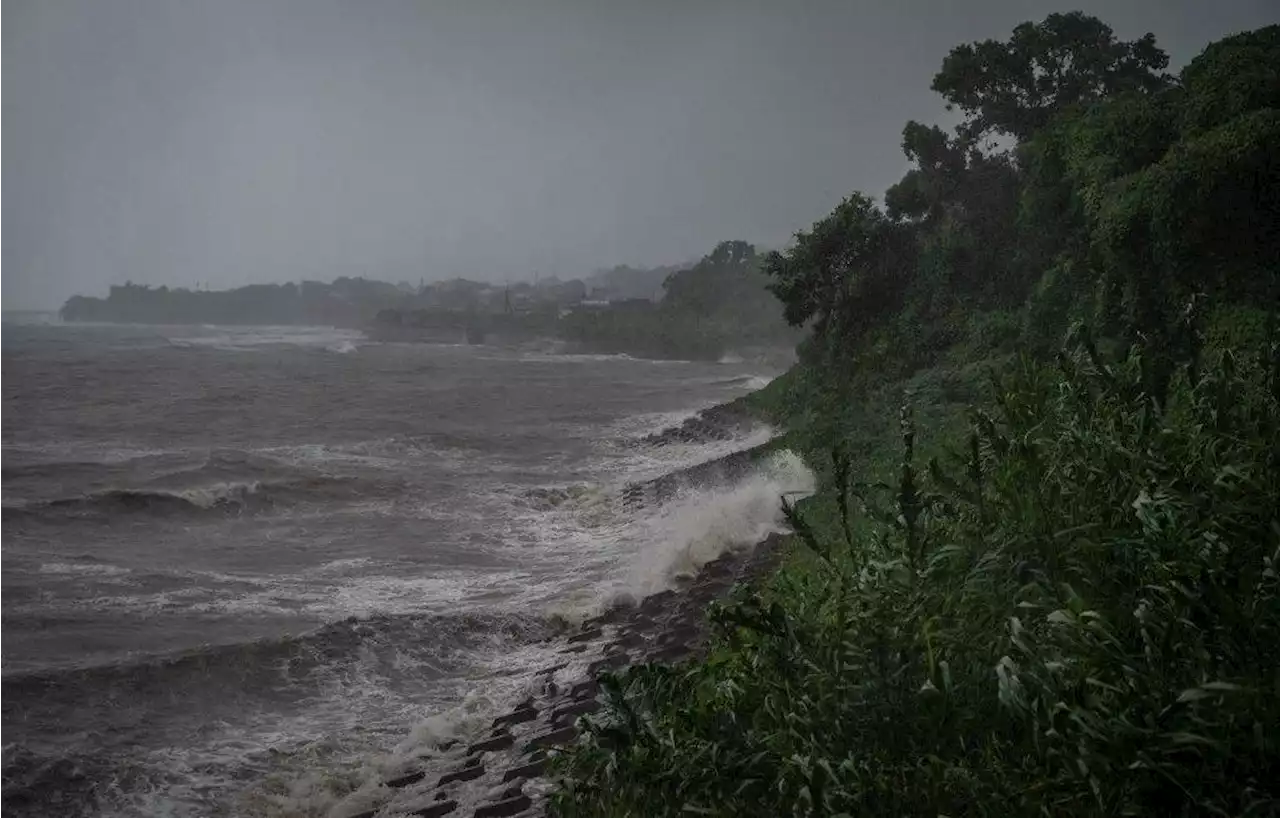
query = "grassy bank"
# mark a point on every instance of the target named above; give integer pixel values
(1040, 575)
(1073, 609)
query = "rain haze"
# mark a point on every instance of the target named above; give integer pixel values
(239, 142)
(377, 374)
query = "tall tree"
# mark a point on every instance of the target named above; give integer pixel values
(1016, 87)
(940, 166)
(847, 272)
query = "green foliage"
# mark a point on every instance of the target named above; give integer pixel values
(1202, 219)
(643, 330)
(940, 167)
(1017, 87)
(843, 275)
(1068, 604)
(721, 302)
(1078, 612)
(1233, 76)
(1052, 307)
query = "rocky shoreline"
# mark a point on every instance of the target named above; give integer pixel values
(504, 773)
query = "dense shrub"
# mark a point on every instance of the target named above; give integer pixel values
(1076, 610)
(1079, 613)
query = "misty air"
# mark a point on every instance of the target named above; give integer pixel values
(477, 409)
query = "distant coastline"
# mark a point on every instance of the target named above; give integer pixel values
(718, 305)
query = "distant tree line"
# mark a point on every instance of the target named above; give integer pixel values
(344, 302)
(700, 311)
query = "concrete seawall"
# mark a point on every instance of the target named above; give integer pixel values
(504, 773)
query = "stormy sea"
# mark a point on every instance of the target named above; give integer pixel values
(247, 569)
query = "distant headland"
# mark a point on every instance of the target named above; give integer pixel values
(699, 311)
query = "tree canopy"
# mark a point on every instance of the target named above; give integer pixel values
(1016, 86)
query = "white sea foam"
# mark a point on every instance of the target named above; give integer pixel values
(700, 524)
(647, 463)
(239, 339)
(603, 561)
(218, 493)
(756, 382)
(82, 569)
(342, 565)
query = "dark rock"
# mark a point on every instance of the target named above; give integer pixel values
(548, 671)
(555, 738)
(565, 715)
(498, 742)
(530, 770)
(516, 717)
(724, 562)
(406, 780)
(655, 603)
(584, 689)
(468, 773)
(587, 636)
(616, 660)
(502, 809)
(609, 617)
(436, 810)
(575, 649)
(681, 635)
(641, 623)
(629, 639)
(515, 790)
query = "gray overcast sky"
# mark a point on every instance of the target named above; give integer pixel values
(175, 141)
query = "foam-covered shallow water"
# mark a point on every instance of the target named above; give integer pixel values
(249, 570)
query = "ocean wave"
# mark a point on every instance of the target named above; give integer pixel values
(193, 482)
(756, 382)
(388, 639)
(239, 339)
(310, 704)
(234, 498)
(752, 382)
(82, 569)
(731, 503)
(224, 497)
(55, 784)
(343, 348)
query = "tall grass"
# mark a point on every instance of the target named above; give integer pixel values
(1076, 611)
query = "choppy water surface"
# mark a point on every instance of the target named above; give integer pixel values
(246, 569)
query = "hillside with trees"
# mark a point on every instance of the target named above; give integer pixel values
(721, 303)
(345, 302)
(1040, 385)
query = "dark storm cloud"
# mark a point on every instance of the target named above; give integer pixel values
(229, 142)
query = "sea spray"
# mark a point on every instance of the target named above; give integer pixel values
(699, 524)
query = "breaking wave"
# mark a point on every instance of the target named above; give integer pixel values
(178, 483)
(329, 693)
(729, 504)
(231, 497)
